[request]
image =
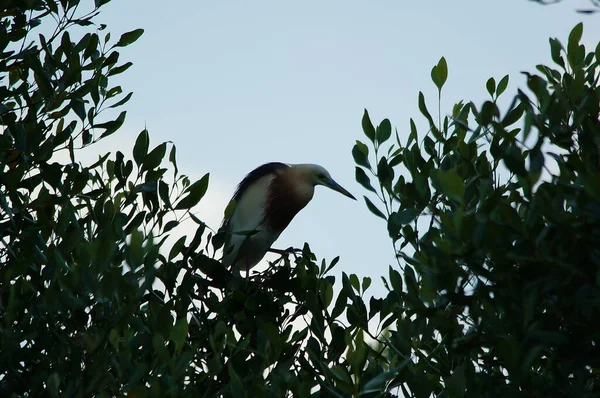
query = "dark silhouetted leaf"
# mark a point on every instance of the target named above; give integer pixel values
(129, 37)
(140, 149)
(450, 184)
(367, 126)
(195, 193)
(363, 179)
(384, 131)
(373, 209)
(439, 73)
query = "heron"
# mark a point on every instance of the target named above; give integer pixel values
(266, 201)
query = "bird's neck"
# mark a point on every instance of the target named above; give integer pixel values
(297, 182)
(287, 196)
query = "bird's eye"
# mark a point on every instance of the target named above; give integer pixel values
(321, 176)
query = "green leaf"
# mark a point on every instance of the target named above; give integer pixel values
(502, 85)
(379, 383)
(347, 287)
(354, 282)
(340, 304)
(173, 160)
(555, 50)
(119, 69)
(177, 247)
(395, 280)
(404, 217)
(536, 160)
(488, 112)
(122, 101)
(573, 49)
(384, 131)
(513, 159)
(53, 7)
(367, 126)
(363, 179)
(66, 44)
(163, 192)
(195, 193)
(338, 344)
(86, 137)
(179, 333)
(513, 115)
(112, 126)
(413, 133)
(575, 35)
(114, 338)
(158, 345)
(366, 282)
(360, 154)
(154, 158)
(491, 86)
(374, 208)
(170, 225)
(113, 92)
(456, 384)
(129, 37)
(384, 172)
(439, 73)
(423, 109)
(450, 184)
(327, 295)
(140, 149)
(109, 62)
(53, 384)
(78, 107)
(341, 374)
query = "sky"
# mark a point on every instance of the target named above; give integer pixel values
(235, 84)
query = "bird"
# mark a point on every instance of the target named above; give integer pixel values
(266, 201)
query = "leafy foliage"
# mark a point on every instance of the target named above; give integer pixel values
(500, 292)
(495, 226)
(78, 256)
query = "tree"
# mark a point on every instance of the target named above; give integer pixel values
(77, 256)
(495, 292)
(499, 292)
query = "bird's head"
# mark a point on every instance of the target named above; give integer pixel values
(314, 175)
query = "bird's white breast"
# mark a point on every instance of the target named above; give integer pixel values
(248, 216)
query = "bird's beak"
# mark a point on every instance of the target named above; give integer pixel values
(337, 187)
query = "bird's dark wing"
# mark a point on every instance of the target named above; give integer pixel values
(255, 175)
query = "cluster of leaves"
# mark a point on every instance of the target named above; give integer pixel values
(280, 333)
(500, 294)
(95, 299)
(77, 259)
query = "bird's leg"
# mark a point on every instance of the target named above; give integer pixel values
(243, 252)
(289, 250)
(247, 269)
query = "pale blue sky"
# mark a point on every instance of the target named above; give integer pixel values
(239, 83)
